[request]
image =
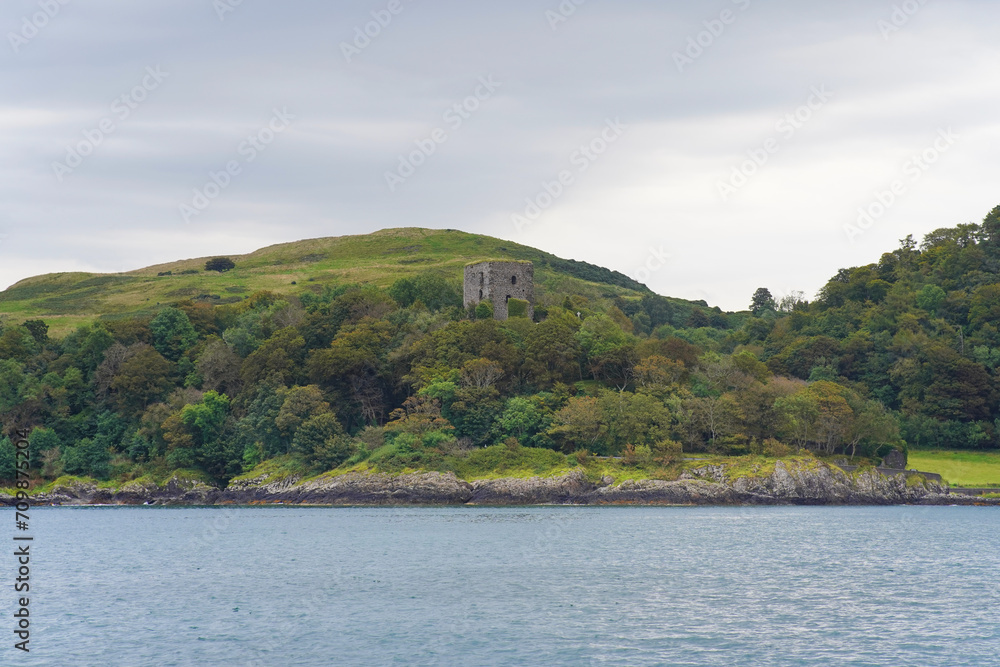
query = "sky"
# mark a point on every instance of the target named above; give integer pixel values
(704, 148)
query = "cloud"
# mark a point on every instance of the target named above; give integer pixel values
(561, 82)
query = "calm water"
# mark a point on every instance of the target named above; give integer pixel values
(539, 586)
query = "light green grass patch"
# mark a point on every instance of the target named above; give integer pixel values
(276, 469)
(959, 468)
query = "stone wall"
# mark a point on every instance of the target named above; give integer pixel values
(497, 282)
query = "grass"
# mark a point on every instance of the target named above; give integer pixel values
(959, 468)
(277, 469)
(65, 300)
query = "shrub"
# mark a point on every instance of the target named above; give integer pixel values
(775, 449)
(484, 310)
(667, 451)
(517, 308)
(333, 452)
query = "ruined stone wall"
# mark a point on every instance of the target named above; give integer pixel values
(498, 282)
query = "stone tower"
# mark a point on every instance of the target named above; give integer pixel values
(498, 282)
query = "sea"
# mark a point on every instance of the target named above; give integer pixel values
(287, 585)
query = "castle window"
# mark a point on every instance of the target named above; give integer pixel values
(480, 279)
(480, 294)
(513, 280)
(508, 298)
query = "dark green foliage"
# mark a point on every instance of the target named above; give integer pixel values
(595, 274)
(8, 460)
(431, 289)
(484, 310)
(38, 329)
(314, 433)
(88, 457)
(517, 308)
(220, 264)
(173, 333)
(762, 301)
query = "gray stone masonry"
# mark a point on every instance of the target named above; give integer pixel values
(498, 282)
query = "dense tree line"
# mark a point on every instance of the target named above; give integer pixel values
(904, 351)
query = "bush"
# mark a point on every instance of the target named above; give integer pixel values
(776, 450)
(332, 453)
(484, 310)
(667, 451)
(517, 308)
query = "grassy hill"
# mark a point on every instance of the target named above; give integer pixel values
(65, 300)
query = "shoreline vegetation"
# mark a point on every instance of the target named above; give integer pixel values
(749, 480)
(360, 369)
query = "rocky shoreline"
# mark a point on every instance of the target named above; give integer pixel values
(788, 484)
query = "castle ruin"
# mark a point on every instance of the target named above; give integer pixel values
(499, 282)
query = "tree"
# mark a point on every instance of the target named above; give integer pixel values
(523, 420)
(552, 354)
(481, 373)
(314, 433)
(930, 298)
(633, 419)
(8, 460)
(256, 434)
(142, 379)
(798, 413)
(173, 333)
(577, 425)
(38, 329)
(220, 264)
(207, 417)
(762, 301)
(281, 355)
(792, 301)
(300, 405)
(835, 417)
(220, 368)
(17, 343)
(657, 375)
(88, 457)
(433, 290)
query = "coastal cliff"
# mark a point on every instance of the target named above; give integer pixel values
(789, 483)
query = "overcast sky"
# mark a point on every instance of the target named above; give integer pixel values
(706, 148)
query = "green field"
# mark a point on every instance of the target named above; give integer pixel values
(958, 468)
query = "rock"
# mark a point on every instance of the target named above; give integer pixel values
(895, 460)
(533, 491)
(792, 482)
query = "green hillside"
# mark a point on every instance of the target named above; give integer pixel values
(65, 300)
